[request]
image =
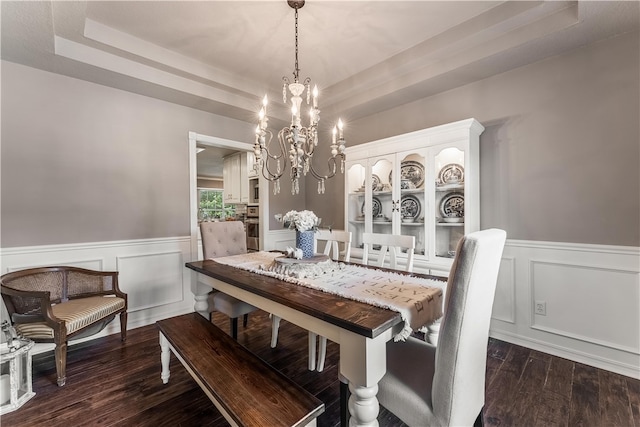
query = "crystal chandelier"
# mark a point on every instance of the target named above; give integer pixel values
(300, 140)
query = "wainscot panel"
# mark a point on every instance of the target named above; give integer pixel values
(151, 272)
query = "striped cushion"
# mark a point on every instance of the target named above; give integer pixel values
(77, 314)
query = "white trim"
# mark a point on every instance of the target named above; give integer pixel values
(608, 364)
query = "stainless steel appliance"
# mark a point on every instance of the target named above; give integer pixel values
(252, 225)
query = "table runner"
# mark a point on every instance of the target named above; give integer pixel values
(418, 300)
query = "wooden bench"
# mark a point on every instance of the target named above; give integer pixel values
(247, 390)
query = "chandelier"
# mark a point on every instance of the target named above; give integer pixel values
(301, 140)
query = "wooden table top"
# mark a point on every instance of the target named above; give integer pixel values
(358, 317)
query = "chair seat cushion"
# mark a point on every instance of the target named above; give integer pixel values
(232, 307)
(77, 314)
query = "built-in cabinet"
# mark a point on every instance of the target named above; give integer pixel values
(423, 183)
(237, 169)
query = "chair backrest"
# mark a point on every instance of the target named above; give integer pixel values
(459, 380)
(389, 243)
(333, 239)
(223, 238)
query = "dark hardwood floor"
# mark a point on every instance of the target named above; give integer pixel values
(109, 384)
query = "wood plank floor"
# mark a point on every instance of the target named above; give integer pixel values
(110, 384)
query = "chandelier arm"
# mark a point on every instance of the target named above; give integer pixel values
(332, 164)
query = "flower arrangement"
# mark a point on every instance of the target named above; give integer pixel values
(301, 221)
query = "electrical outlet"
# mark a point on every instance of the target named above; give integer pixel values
(541, 308)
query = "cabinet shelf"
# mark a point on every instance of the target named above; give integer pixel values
(450, 224)
(450, 187)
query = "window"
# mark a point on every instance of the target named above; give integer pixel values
(212, 206)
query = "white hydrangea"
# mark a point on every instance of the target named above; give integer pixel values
(301, 221)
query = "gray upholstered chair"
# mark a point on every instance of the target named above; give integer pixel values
(425, 387)
(390, 244)
(220, 239)
(338, 248)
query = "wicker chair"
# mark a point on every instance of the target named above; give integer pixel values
(55, 304)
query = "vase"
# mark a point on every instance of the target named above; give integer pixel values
(304, 241)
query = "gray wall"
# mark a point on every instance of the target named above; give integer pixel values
(560, 156)
(82, 162)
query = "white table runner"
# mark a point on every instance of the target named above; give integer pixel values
(418, 300)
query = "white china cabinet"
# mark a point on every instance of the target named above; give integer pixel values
(423, 183)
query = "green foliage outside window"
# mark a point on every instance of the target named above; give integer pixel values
(212, 206)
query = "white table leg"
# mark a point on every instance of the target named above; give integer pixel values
(165, 357)
(363, 406)
(363, 362)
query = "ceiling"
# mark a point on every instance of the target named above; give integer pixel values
(365, 56)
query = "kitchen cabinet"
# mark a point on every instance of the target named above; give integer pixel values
(235, 176)
(429, 189)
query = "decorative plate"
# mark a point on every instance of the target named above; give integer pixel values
(452, 205)
(375, 182)
(412, 171)
(451, 174)
(410, 207)
(377, 207)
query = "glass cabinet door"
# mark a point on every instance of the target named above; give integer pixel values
(355, 189)
(412, 205)
(449, 218)
(382, 208)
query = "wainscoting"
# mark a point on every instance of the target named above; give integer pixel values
(151, 272)
(577, 301)
(590, 294)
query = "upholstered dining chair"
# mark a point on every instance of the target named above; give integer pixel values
(425, 387)
(391, 244)
(334, 240)
(220, 239)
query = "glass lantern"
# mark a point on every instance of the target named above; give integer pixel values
(15, 374)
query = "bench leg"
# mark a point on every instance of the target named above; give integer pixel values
(61, 362)
(234, 328)
(165, 357)
(123, 326)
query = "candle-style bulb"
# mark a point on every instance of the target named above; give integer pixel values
(340, 126)
(265, 101)
(315, 96)
(261, 114)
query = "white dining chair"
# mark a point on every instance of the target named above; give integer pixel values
(338, 248)
(220, 239)
(446, 387)
(391, 244)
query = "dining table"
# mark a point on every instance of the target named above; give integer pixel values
(362, 329)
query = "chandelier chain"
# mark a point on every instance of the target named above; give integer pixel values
(297, 70)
